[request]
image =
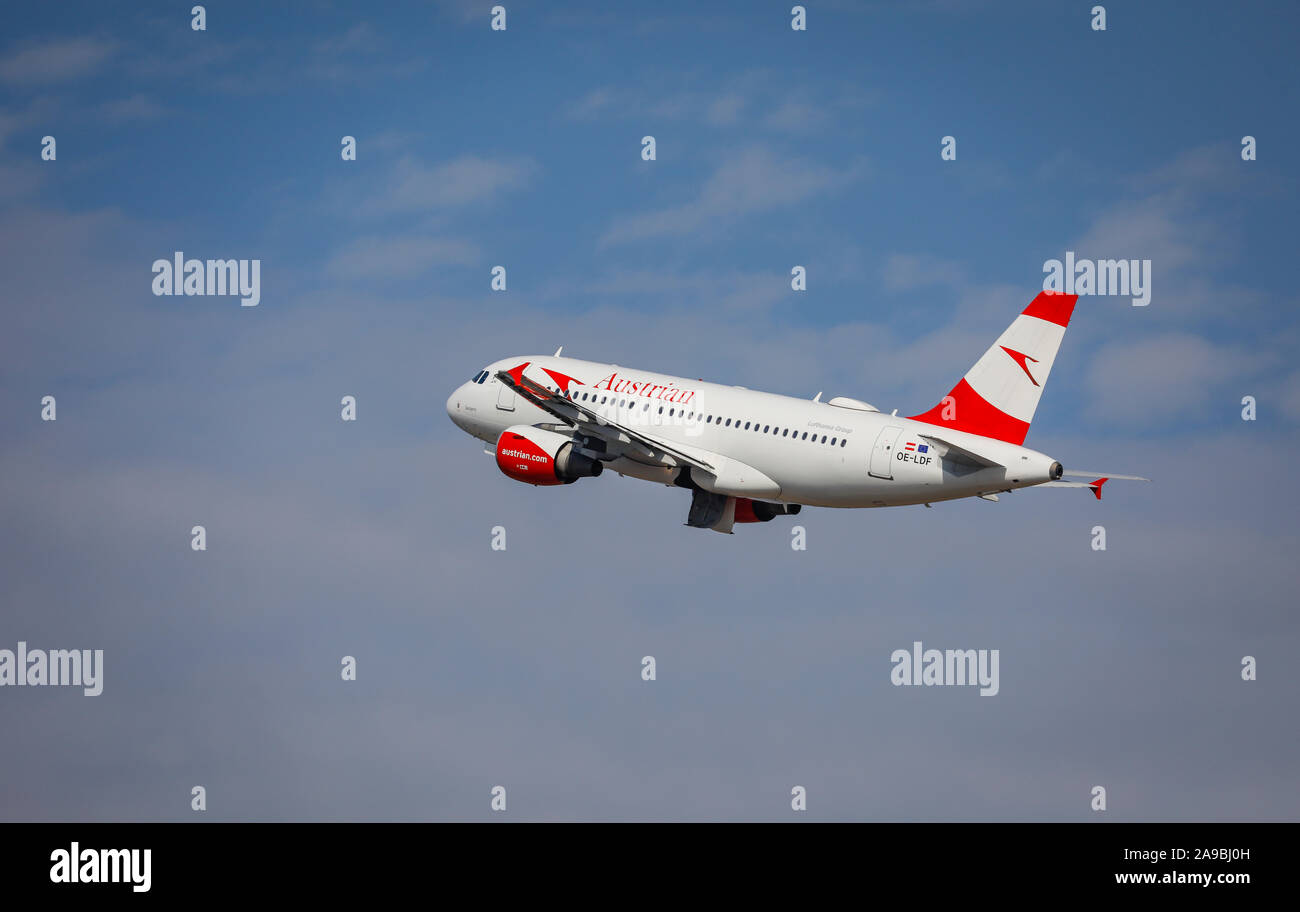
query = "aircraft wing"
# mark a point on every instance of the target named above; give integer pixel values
(583, 418)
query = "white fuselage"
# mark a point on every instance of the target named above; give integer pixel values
(774, 447)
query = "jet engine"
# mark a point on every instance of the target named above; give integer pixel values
(761, 511)
(720, 512)
(541, 457)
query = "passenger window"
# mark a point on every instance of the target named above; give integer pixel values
(832, 441)
(785, 433)
(844, 441)
(765, 427)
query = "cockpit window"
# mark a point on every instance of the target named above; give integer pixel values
(480, 376)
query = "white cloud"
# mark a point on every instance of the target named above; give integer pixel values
(20, 180)
(1204, 168)
(136, 107)
(725, 109)
(767, 98)
(12, 120)
(725, 291)
(399, 257)
(753, 180)
(1159, 229)
(58, 60)
(1161, 379)
(359, 39)
(1288, 398)
(473, 11)
(462, 181)
(591, 104)
(905, 271)
(795, 117)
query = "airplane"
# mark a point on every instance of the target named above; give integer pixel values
(750, 456)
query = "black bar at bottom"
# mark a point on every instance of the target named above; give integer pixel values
(337, 861)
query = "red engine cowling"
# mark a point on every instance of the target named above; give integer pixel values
(748, 511)
(540, 457)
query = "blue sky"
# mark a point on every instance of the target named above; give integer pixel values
(817, 148)
(522, 148)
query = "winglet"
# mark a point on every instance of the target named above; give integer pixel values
(1095, 487)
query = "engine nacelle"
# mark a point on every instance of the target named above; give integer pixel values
(541, 457)
(761, 511)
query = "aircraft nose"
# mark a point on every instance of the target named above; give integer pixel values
(455, 403)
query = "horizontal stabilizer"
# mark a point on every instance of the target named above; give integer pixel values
(1104, 476)
(1098, 479)
(1094, 486)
